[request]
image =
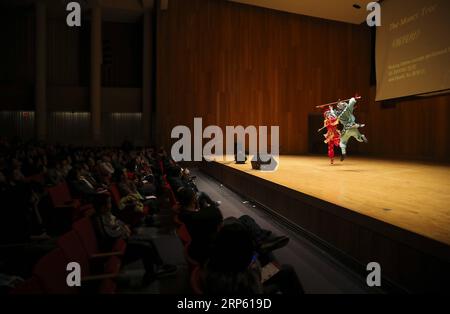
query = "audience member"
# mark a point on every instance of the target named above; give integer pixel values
(203, 219)
(234, 268)
(233, 251)
(109, 229)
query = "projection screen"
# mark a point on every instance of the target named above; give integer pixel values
(413, 48)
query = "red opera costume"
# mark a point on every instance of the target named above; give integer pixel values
(333, 135)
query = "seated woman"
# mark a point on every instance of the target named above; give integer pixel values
(129, 192)
(133, 199)
(234, 269)
(109, 229)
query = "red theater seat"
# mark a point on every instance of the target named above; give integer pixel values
(74, 250)
(177, 220)
(60, 195)
(168, 192)
(115, 194)
(196, 281)
(183, 234)
(192, 263)
(62, 201)
(51, 272)
(86, 233)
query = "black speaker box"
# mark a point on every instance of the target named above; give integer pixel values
(258, 162)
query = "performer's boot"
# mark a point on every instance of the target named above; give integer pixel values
(365, 139)
(343, 150)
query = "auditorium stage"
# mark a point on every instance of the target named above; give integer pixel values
(371, 209)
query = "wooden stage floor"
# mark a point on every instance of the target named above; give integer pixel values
(411, 195)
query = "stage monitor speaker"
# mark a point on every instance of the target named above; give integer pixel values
(257, 162)
(240, 158)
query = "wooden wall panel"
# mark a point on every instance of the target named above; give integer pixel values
(67, 99)
(17, 42)
(239, 65)
(69, 127)
(76, 99)
(125, 100)
(413, 128)
(118, 127)
(234, 64)
(122, 54)
(63, 55)
(17, 123)
(17, 59)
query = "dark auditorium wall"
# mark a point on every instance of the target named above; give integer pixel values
(235, 64)
(122, 54)
(67, 54)
(17, 59)
(68, 76)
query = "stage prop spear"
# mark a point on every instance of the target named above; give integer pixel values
(336, 102)
(332, 104)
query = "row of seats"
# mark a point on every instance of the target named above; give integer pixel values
(183, 234)
(194, 267)
(79, 244)
(98, 269)
(62, 201)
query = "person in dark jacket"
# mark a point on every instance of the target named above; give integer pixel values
(82, 188)
(203, 219)
(234, 269)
